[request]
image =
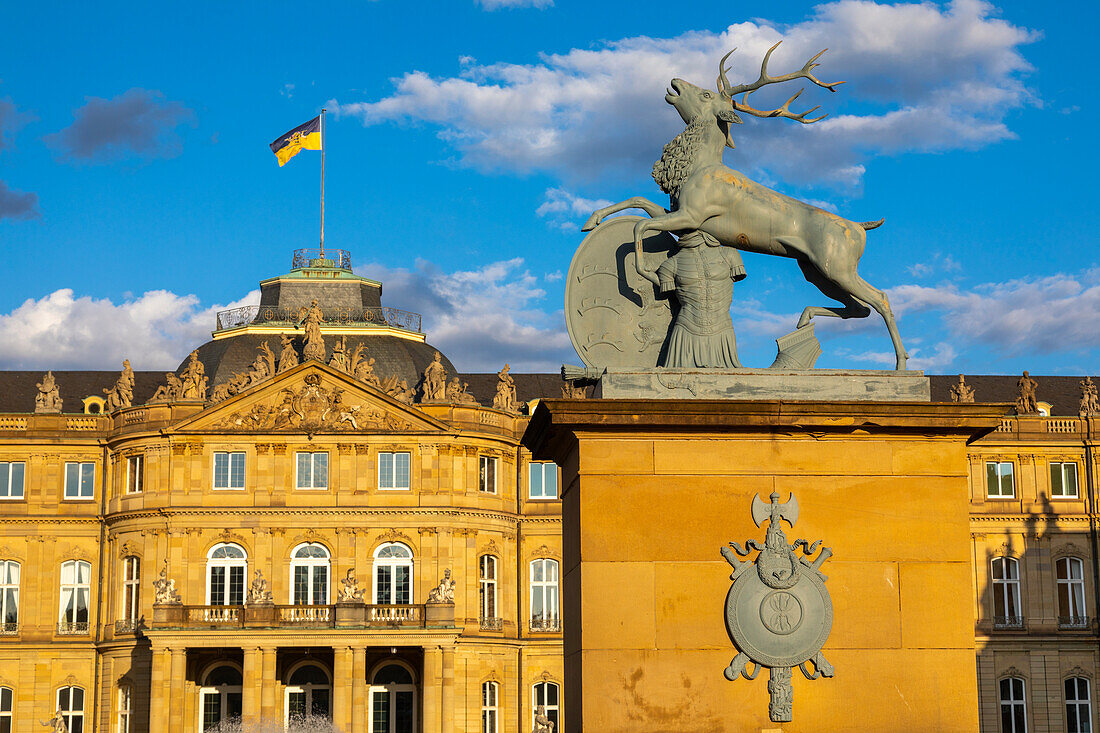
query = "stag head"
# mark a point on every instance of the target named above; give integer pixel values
(692, 101)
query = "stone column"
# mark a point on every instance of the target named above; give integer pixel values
(158, 699)
(341, 688)
(177, 696)
(433, 669)
(253, 682)
(269, 708)
(358, 690)
(447, 704)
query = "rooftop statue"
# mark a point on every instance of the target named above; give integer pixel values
(713, 212)
(505, 398)
(1026, 403)
(288, 357)
(457, 395)
(172, 389)
(194, 379)
(961, 391)
(1090, 402)
(48, 398)
(434, 380)
(122, 394)
(311, 318)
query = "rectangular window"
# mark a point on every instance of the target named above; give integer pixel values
(1063, 480)
(393, 470)
(999, 480)
(543, 480)
(229, 470)
(131, 586)
(1078, 705)
(489, 710)
(312, 470)
(79, 480)
(124, 708)
(1013, 707)
(487, 474)
(11, 479)
(6, 700)
(9, 597)
(135, 474)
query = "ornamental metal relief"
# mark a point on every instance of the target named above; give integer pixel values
(780, 615)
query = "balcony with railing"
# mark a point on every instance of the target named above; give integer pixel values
(72, 628)
(378, 616)
(316, 257)
(9, 628)
(1073, 623)
(341, 316)
(548, 624)
(1008, 623)
(492, 624)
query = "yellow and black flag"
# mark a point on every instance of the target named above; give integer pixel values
(306, 136)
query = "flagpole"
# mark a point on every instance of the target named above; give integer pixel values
(322, 183)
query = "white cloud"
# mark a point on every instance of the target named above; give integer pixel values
(498, 4)
(481, 318)
(936, 79)
(919, 359)
(62, 331)
(567, 210)
(1058, 313)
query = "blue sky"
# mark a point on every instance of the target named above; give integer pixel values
(469, 140)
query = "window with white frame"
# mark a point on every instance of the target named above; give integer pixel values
(392, 700)
(79, 480)
(309, 575)
(393, 470)
(308, 693)
(76, 591)
(11, 479)
(393, 572)
(544, 595)
(487, 588)
(221, 697)
(9, 596)
(1006, 592)
(312, 470)
(7, 698)
(226, 566)
(1063, 480)
(545, 702)
(131, 588)
(1013, 707)
(543, 480)
(135, 474)
(70, 703)
(1000, 481)
(1078, 705)
(487, 474)
(490, 695)
(125, 708)
(1071, 592)
(228, 470)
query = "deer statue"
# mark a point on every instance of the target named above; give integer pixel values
(723, 204)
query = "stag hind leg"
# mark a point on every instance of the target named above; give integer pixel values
(856, 294)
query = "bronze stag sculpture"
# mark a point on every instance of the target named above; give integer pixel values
(708, 197)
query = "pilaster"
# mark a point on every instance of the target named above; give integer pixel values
(342, 687)
(433, 674)
(253, 684)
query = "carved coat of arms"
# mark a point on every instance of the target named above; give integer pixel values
(778, 612)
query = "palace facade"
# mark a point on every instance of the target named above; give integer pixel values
(273, 531)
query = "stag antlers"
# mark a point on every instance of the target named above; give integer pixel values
(729, 91)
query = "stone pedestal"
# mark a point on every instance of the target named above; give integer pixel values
(653, 489)
(351, 613)
(167, 614)
(439, 614)
(259, 614)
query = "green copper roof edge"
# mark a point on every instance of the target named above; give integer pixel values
(341, 275)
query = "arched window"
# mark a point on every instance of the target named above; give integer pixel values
(1006, 593)
(392, 700)
(1071, 593)
(70, 703)
(490, 695)
(308, 692)
(226, 566)
(309, 575)
(9, 597)
(545, 702)
(1013, 707)
(1078, 705)
(487, 592)
(393, 572)
(75, 599)
(544, 595)
(220, 697)
(7, 697)
(125, 708)
(131, 589)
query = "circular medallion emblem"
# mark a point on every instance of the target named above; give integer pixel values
(781, 612)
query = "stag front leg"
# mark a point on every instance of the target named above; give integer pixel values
(637, 202)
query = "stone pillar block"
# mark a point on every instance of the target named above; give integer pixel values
(439, 614)
(260, 615)
(167, 615)
(351, 614)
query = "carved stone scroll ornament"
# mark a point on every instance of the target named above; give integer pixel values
(445, 591)
(164, 588)
(122, 394)
(262, 369)
(362, 367)
(961, 391)
(1090, 403)
(778, 612)
(48, 398)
